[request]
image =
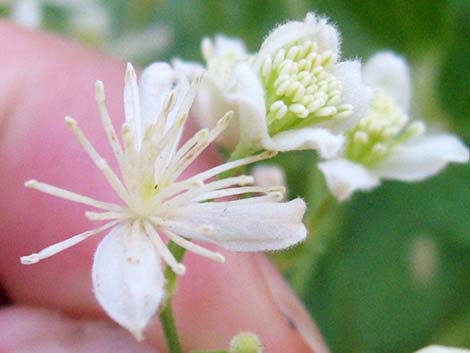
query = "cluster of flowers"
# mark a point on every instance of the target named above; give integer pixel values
(295, 93)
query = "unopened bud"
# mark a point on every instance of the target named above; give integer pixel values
(245, 342)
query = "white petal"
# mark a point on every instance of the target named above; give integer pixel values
(127, 278)
(355, 93)
(210, 105)
(156, 82)
(246, 227)
(442, 349)
(390, 72)
(422, 158)
(211, 101)
(313, 27)
(249, 98)
(327, 144)
(224, 46)
(344, 177)
(190, 68)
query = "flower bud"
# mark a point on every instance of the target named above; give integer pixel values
(245, 342)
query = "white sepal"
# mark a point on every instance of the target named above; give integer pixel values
(246, 227)
(355, 93)
(247, 94)
(223, 47)
(442, 349)
(323, 141)
(422, 158)
(127, 278)
(313, 27)
(344, 177)
(156, 83)
(388, 71)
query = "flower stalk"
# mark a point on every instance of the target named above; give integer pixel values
(316, 243)
(166, 315)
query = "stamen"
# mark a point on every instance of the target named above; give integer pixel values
(202, 189)
(162, 249)
(71, 196)
(166, 223)
(199, 250)
(102, 216)
(162, 119)
(63, 245)
(238, 191)
(132, 102)
(186, 157)
(232, 165)
(99, 161)
(108, 125)
(273, 196)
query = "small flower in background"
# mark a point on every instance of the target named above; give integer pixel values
(212, 99)
(424, 260)
(91, 22)
(295, 93)
(384, 144)
(127, 276)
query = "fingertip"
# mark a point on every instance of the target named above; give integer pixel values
(25, 329)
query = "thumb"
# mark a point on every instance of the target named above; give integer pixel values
(45, 79)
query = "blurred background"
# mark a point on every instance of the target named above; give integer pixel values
(393, 274)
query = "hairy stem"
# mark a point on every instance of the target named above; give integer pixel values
(167, 318)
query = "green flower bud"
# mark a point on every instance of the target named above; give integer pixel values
(245, 342)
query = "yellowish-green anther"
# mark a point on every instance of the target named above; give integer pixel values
(300, 87)
(245, 342)
(383, 128)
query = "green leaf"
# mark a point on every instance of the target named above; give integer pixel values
(400, 269)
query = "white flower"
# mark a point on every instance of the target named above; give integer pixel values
(442, 349)
(127, 275)
(212, 100)
(295, 93)
(384, 145)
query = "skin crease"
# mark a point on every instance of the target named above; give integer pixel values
(43, 79)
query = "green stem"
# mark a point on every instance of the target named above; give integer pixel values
(316, 244)
(169, 329)
(167, 318)
(216, 351)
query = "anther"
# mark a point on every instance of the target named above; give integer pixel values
(99, 91)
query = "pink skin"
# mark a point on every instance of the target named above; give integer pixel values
(44, 79)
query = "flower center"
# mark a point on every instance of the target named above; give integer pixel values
(382, 129)
(301, 89)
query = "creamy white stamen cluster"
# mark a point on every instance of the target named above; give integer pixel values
(127, 277)
(383, 128)
(295, 93)
(384, 144)
(301, 88)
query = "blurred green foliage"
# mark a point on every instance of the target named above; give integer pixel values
(394, 276)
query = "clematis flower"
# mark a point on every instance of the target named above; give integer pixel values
(127, 276)
(211, 101)
(295, 93)
(385, 144)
